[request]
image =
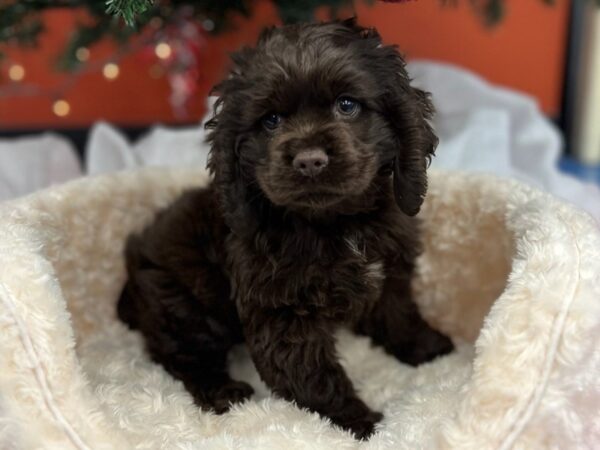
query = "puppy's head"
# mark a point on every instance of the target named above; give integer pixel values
(317, 118)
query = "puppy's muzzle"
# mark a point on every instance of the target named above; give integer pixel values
(310, 163)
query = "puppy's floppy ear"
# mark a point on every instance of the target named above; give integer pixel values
(417, 146)
(229, 160)
(409, 110)
(224, 164)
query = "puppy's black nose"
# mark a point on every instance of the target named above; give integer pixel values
(310, 163)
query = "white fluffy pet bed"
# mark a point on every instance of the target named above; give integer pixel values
(508, 269)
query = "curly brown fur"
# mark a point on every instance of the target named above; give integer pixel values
(285, 247)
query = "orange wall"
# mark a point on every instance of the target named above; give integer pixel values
(525, 52)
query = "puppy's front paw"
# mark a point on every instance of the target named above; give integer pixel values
(364, 427)
(220, 398)
(229, 394)
(357, 418)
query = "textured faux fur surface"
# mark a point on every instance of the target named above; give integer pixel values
(511, 273)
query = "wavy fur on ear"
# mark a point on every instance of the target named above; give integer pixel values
(417, 146)
(233, 178)
(409, 110)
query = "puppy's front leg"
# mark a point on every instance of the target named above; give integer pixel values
(295, 356)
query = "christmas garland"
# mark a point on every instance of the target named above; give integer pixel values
(21, 24)
(170, 34)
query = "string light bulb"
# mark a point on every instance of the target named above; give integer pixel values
(110, 71)
(82, 54)
(163, 50)
(61, 108)
(16, 72)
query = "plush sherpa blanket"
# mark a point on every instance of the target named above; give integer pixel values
(511, 274)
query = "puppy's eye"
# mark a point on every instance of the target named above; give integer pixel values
(347, 106)
(271, 121)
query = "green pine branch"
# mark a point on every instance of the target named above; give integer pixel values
(129, 10)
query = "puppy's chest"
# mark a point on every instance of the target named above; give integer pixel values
(339, 276)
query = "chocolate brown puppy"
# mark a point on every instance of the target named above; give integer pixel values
(319, 153)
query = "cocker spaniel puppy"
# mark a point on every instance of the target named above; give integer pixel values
(319, 154)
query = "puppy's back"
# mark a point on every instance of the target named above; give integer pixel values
(184, 245)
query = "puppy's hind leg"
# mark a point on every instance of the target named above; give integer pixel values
(396, 325)
(203, 370)
(189, 335)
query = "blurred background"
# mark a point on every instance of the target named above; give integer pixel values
(97, 86)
